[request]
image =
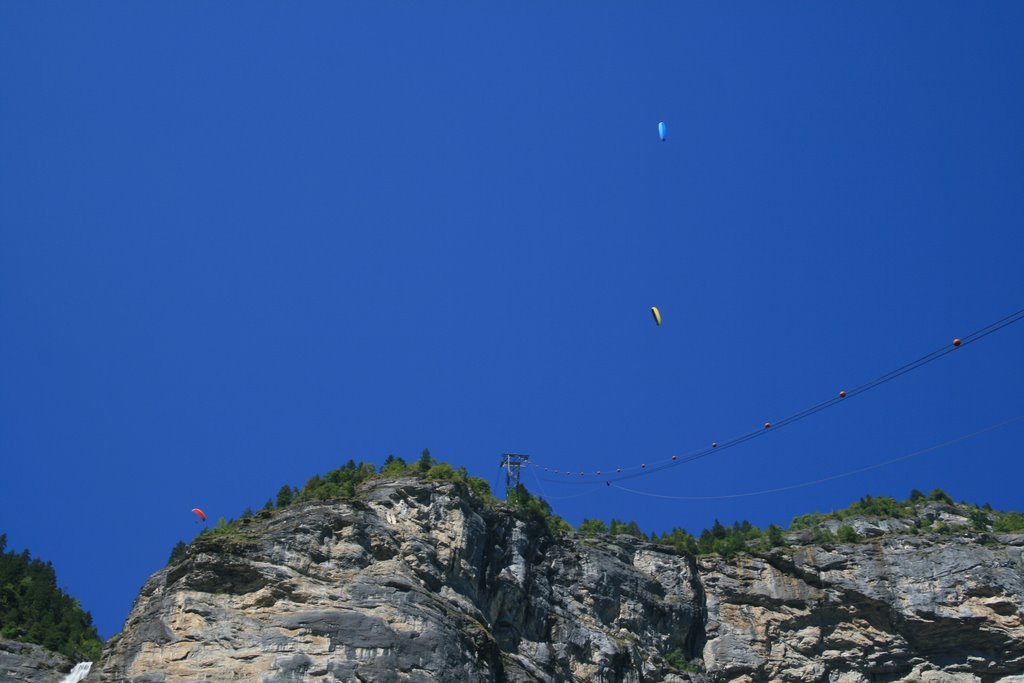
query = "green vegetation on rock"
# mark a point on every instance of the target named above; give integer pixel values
(178, 552)
(537, 509)
(677, 660)
(592, 527)
(343, 484)
(1010, 523)
(744, 537)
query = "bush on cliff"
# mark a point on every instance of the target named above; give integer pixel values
(340, 483)
(1010, 523)
(178, 552)
(592, 527)
(678, 539)
(536, 509)
(884, 507)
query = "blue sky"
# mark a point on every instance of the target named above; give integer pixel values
(243, 243)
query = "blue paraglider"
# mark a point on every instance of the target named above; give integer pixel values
(661, 131)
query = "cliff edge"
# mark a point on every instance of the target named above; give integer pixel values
(422, 581)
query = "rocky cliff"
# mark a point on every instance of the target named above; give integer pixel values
(28, 663)
(424, 582)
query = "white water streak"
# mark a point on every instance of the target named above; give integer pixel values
(78, 673)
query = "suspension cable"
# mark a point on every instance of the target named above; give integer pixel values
(624, 473)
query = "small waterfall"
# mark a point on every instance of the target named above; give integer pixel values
(80, 671)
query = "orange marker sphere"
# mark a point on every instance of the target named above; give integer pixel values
(842, 394)
(956, 342)
(767, 425)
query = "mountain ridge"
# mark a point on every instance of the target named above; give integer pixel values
(419, 580)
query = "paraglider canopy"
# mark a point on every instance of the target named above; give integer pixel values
(202, 515)
(661, 131)
(657, 315)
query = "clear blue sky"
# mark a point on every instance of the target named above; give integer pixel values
(243, 243)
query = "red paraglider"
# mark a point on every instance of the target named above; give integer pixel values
(202, 515)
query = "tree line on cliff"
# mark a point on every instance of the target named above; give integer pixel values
(727, 540)
(34, 610)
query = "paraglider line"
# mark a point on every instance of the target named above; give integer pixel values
(876, 466)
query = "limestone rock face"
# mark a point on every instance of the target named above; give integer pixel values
(420, 581)
(896, 609)
(27, 663)
(416, 582)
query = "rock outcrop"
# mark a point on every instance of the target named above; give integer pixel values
(28, 663)
(420, 581)
(896, 609)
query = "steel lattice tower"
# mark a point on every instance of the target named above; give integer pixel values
(512, 463)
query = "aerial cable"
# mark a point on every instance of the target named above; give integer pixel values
(576, 495)
(622, 473)
(915, 454)
(545, 496)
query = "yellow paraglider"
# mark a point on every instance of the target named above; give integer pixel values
(657, 315)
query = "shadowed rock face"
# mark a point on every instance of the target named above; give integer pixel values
(421, 582)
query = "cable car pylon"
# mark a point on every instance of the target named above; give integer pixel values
(512, 463)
